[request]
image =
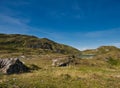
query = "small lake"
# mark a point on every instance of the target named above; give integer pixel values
(87, 56)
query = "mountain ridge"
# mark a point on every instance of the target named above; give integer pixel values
(27, 43)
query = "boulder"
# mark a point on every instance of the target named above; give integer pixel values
(61, 62)
(11, 66)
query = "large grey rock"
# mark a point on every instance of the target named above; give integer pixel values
(11, 66)
(61, 62)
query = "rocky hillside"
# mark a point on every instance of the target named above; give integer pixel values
(11, 43)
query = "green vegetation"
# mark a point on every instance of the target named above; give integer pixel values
(86, 74)
(112, 61)
(26, 45)
(104, 52)
(101, 71)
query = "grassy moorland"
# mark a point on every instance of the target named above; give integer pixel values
(26, 44)
(87, 73)
(101, 71)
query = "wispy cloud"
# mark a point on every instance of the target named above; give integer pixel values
(10, 24)
(12, 20)
(117, 44)
(14, 25)
(103, 33)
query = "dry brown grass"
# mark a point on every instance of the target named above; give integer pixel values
(83, 75)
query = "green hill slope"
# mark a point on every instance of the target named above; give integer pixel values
(104, 52)
(12, 43)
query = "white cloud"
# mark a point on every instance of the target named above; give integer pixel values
(9, 24)
(6, 19)
(12, 25)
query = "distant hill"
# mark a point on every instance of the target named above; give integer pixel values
(104, 52)
(17, 43)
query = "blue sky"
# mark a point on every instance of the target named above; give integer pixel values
(83, 24)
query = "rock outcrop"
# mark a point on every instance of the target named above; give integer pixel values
(61, 62)
(11, 66)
